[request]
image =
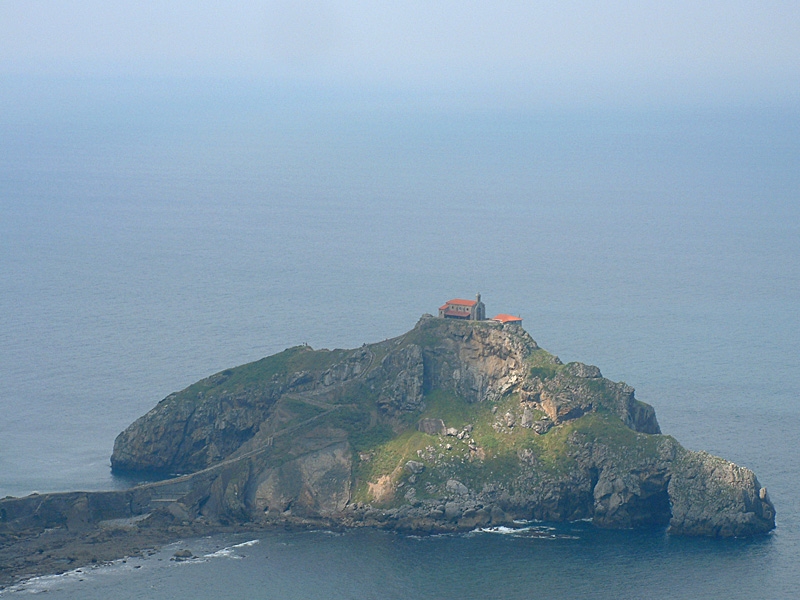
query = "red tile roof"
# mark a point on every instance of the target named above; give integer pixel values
(460, 302)
(502, 318)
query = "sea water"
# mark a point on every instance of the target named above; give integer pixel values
(565, 561)
(152, 236)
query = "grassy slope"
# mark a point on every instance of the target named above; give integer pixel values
(500, 448)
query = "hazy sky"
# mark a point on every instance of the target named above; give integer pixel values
(691, 50)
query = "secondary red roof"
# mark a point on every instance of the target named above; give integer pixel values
(460, 302)
(507, 319)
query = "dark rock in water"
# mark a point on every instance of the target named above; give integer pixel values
(339, 437)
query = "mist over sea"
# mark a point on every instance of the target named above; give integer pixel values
(153, 234)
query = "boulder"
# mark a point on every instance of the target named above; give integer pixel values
(454, 486)
(527, 418)
(415, 467)
(431, 426)
(577, 369)
(452, 511)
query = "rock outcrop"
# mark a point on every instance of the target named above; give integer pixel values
(711, 496)
(450, 426)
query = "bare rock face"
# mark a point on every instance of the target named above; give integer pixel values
(184, 434)
(627, 500)
(475, 363)
(402, 372)
(713, 497)
(317, 483)
(577, 369)
(630, 479)
(568, 396)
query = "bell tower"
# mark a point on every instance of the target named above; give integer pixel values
(480, 309)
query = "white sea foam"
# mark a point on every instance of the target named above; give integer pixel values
(531, 531)
(230, 551)
(502, 529)
(224, 553)
(52, 583)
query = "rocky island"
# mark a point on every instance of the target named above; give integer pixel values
(454, 425)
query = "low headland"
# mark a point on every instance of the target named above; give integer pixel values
(454, 425)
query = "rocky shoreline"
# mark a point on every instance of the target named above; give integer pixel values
(52, 551)
(54, 533)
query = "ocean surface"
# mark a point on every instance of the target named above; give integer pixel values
(153, 233)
